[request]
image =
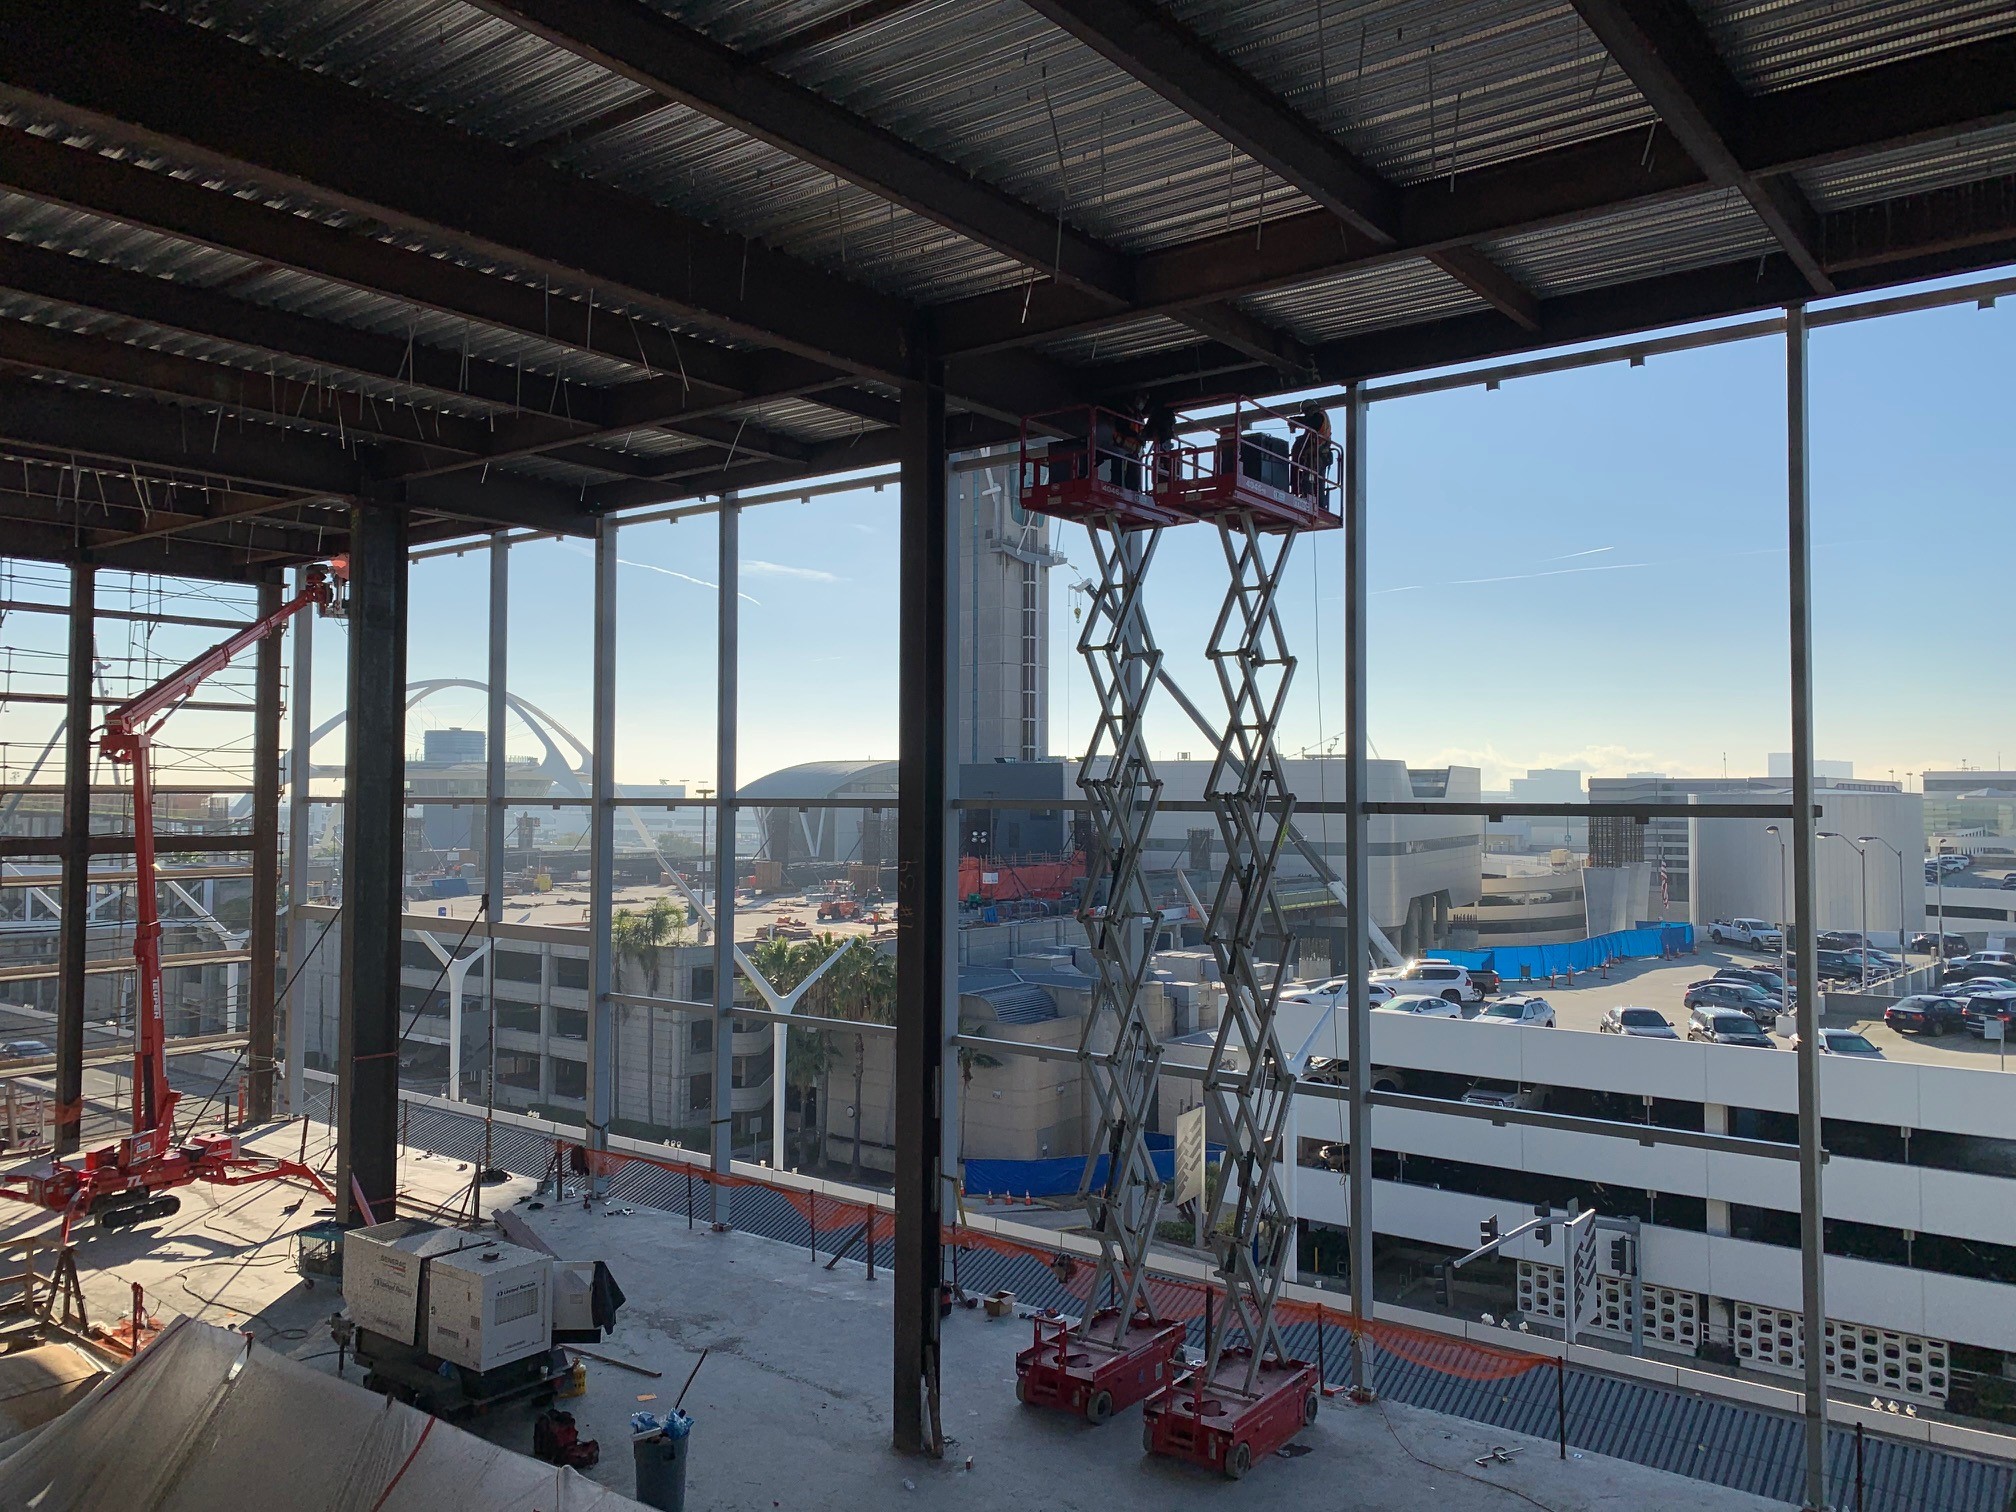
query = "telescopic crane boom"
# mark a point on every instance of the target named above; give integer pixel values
(119, 1185)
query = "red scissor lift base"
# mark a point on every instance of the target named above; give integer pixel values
(1219, 1425)
(1097, 1377)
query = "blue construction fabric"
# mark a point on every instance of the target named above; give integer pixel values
(1516, 962)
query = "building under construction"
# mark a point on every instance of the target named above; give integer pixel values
(540, 359)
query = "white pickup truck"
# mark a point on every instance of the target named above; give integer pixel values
(1752, 932)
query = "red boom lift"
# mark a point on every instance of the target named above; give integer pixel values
(125, 1184)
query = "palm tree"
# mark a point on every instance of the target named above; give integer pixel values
(808, 1053)
(866, 993)
(639, 939)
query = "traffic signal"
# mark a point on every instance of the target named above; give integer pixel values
(1487, 1232)
(1620, 1255)
(1544, 1234)
(1442, 1286)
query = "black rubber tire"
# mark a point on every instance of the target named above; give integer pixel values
(1451, 995)
(1311, 1405)
(1022, 1390)
(1238, 1460)
(1098, 1407)
(1148, 1435)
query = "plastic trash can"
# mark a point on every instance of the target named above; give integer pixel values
(661, 1463)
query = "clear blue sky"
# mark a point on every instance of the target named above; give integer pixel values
(1580, 570)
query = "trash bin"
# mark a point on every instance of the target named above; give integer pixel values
(661, 1462)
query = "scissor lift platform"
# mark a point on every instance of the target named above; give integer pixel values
(1098, 1376)
(1086, 464)
(1221, 1425)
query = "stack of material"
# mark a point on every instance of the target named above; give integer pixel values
(204, 1420)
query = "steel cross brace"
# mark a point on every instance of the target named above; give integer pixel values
(1248, 1080)
(1120, 1053)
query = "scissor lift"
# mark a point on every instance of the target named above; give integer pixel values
(1119, 1352)
(1262, 478)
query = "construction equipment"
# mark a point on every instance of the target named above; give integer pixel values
(1262, 478)
(129, 1183)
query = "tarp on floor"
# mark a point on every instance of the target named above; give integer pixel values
(37, 1384)
(205, 1421)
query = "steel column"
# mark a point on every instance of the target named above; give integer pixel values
(923, 750)
(602, 859)
(374, 840)
(300, 799)
(728, 656)
(1357, 888)
(74, 929)
(1812, 1229)
(496, 796)
(263, 934)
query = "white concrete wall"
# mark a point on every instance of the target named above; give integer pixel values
(1736, 867)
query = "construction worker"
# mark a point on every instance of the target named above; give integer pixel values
(1310, 459)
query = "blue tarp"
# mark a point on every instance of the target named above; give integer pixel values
(1514, 962)
(1060, 1175)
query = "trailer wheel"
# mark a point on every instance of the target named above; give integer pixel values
(1238, 1461)
(1310, 1407)
(1098, 1407)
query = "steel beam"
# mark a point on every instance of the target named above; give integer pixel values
(374, 846)
(1665, 50)
(727, 710)
(924, 757)
(74, 929)
(601, 1098)
(263, 930)
(300, 803)
(496, 791)
(1357, 884)
(1812, 1227)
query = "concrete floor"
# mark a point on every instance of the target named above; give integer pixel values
(792, 1402)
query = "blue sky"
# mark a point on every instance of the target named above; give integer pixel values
(1585, 569)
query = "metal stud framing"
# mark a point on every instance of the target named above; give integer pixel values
(1122, 1057)
(1248, 1083)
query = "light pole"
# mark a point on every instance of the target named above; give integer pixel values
(1784, 930)
(1862, 851)
(1903, 950)
(706, 791)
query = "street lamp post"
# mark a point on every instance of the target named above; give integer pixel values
(706, 792)
(1903, 950)
(1784, 930)
(1862, 851)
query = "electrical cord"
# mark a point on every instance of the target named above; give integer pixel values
(1380, 1403)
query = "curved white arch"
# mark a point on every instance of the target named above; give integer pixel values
(543, 726)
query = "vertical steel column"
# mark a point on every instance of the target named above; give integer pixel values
(300, 797)
(1812, 1229)
(728, 657)
(263, 934)
(1357, 890)
(496, 795)
(74, 929)
(922, 919)
(602, 860)
(374, 837)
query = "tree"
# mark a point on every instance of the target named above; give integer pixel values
(808, 1052)
(639, 939)
(866, 993)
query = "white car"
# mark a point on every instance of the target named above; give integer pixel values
(1641, 1023)
(1438, 977)
(1422, 1006)
(1755, 933)
(1845, 1042)
(1521, 1008)
(1492, 1093)
(1335, 993)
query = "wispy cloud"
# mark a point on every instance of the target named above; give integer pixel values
(684, 577)
(784, 570)
(1592, 551)
(1516, 577)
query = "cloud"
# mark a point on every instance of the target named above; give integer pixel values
(684, 577)
(1592, 551)
(762, 568)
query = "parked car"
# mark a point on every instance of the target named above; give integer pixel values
(1755, 933)
(1520, 1008)
(1840, 939)
(1422, 1005)
(1727, 1026)
(1760, 1006)
(1487, 981)
(1947, 946)
(1493, 1093)
(1981, 986)
(1845, 1042)
(2003, 958)
(1950, 864)
(1975, 1012)
(1880, 962)
(1643, 1023)
(1971, 968)
(1333, 993)
(25, 1049)
(1763, 978)
(1439, 977)
(1837, 965)
(1926, 1013)
(2008, 881)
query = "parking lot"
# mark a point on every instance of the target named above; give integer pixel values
(1663, 985)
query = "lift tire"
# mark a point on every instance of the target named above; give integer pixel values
(1022, 1390)
(1098, 1407)
(1311, 1405)
(1238, 1460)
(1148, 1435)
